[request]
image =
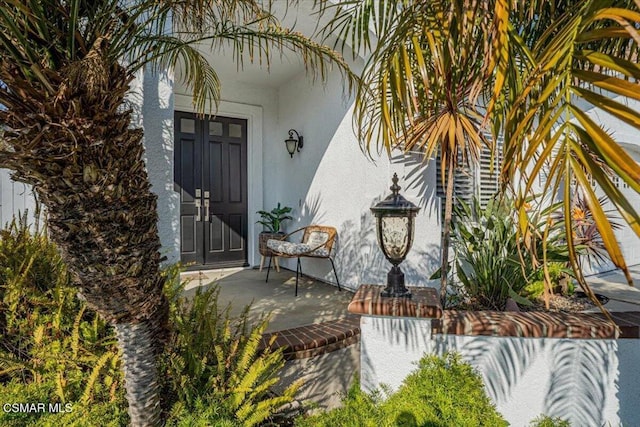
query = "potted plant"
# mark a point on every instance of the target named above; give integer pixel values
(272, 222)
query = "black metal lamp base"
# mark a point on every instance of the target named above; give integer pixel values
(395, 284)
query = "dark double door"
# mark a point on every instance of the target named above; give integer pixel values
(210, 171)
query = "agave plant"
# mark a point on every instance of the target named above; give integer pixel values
(66, 68)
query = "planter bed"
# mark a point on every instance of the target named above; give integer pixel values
(532, 324)
(577, 366)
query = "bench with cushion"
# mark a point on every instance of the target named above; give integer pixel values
(317, 242)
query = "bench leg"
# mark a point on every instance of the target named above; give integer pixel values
(277, 262)
(335, 273)
(261, 262)
(268, 269)
(298, 271)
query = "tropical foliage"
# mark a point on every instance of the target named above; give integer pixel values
(487, 261)
(492, 264)
(441, 391)
(524, 72)
(217, 363)
(66, 68)
(54, 349)
(586, 55)
(272, 220)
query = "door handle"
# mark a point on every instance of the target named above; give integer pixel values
(206, 205)
(198, 218)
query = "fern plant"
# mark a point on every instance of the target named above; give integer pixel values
(217, 361)
(54, 348)
(50, 342)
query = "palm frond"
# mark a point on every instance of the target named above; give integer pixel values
(584, 54)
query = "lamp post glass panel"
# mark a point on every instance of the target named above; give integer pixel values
(395, 219)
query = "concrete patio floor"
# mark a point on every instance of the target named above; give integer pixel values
(316, 301)
(319, 302)
(613, 285)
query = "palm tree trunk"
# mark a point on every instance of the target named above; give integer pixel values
(446, 230)
(136, 342)
(85, 162)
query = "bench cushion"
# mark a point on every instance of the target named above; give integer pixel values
(296, 249)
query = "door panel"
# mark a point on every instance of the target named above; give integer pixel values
(216, 233)
(215, 152)
(211, 169)
(226, 180)
(235, 173)
(236, 225)
(188, 229)
(187, 169)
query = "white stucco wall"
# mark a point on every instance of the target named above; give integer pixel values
(151, 98)
(332, 182)
(588, 382)
(16, 199)
(629, 137)
(329, 181)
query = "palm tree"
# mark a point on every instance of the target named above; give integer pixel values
(572, 56)
(422, 84)
(65, 69)
(532, 64)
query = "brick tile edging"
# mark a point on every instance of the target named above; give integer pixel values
(316, 339)
(533, 324)
(525, 324)
(424, 303)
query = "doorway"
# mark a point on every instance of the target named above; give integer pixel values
(210, 173)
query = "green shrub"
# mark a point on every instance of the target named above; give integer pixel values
(16, 391)
(557, 273)
(441, 392)
(534, 290)
(359, 409)
(546, 421)
(105, 413)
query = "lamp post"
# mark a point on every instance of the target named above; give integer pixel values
(395, 218)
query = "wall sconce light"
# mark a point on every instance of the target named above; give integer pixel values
(293, 144)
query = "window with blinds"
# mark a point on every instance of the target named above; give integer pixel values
(477, 179)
